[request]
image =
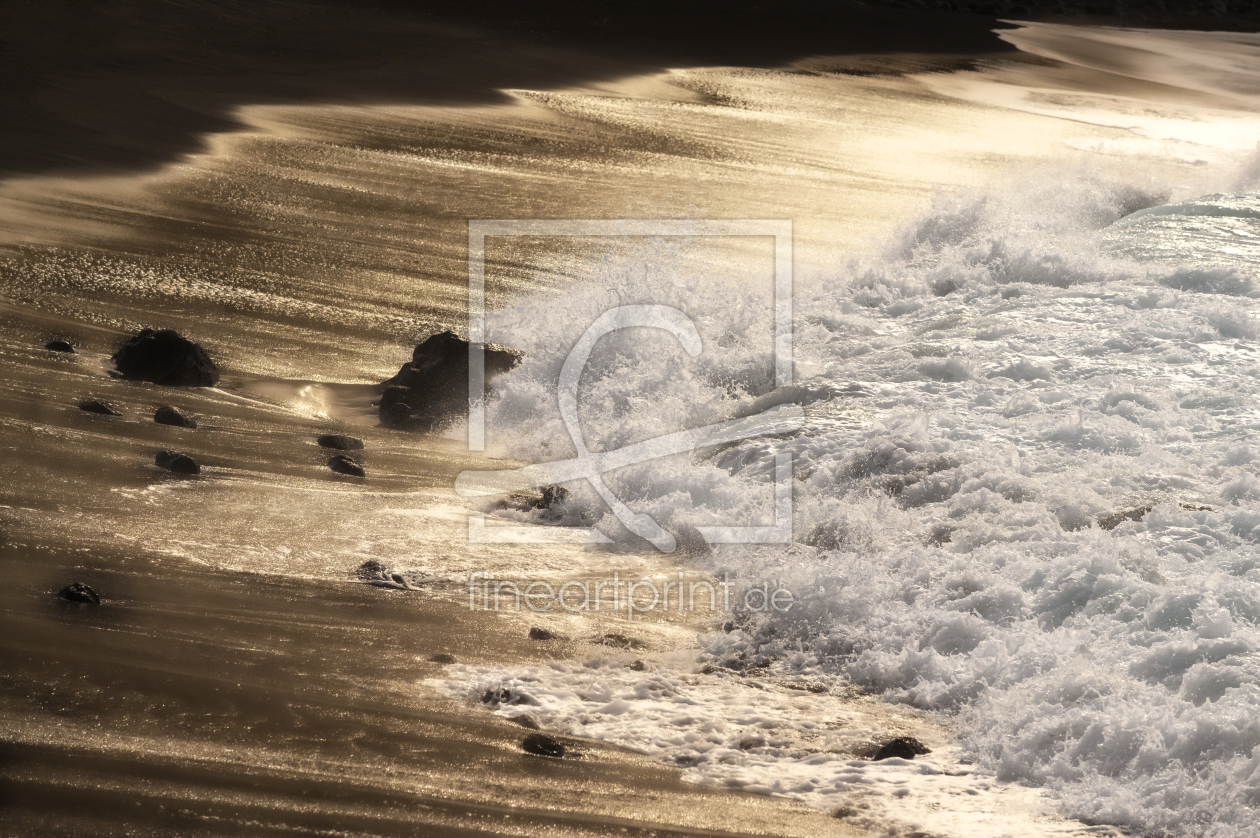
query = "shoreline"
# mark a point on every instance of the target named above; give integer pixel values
(148, 663)
(389, 767)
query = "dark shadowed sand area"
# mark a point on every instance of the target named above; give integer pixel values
(289, 183)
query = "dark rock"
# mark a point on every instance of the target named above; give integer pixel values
(621, 641)
(550, 495)
(177, 462)
(544, 500)
(163, 357)
(542, 745)
(638, 666)
(442, 657)
(371, 569)
(167, 415)
(380, 575)
(537, 633)
(340, 443)
(95, 406)
(903, 747)
(59, 346)
(501, 695)
(78, 592)
(432, 388)
(346, 465)
(394, 581)
(1110, 522)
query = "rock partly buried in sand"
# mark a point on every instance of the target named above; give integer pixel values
(59, 346)
(903, 747)
(380, 575)
(537, 633)
(540, 744)
(164, 357)
(432, 388)
(501, 695)
(371, 569)
(621, 641)
(346, 465)
(78, 592)
(177, 462)
(167, 415)
(337, 442)
(442, 658)
(1110, 522)
(546, 501)
(97, 406)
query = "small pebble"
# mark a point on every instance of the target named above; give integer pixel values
(95, 406)
(177, 462)
(903, 747)
(542, 745)
(78, 592)
(340, 443)
(167, 415)
(345, 465)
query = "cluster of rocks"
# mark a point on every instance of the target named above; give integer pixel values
(162, 357)
(165, 415)
(165, 357)
(427, 392)
(348, 464)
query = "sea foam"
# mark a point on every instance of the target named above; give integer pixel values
(1013, 366)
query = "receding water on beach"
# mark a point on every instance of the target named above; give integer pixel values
(1025, 501)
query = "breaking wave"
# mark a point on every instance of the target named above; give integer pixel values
(1028, 493)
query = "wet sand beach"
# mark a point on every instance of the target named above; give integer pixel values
(289, 184)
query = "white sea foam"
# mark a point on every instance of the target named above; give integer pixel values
(1015, 365)
(767, 738)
